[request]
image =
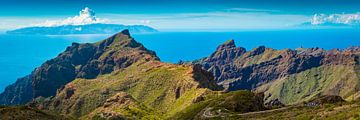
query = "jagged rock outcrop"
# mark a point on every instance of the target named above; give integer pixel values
(77, 61)
(235, 68)
(221, 59)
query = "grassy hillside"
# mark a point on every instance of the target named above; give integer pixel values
(303, 86)
(153, 87)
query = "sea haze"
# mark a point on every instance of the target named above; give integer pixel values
(20, 54)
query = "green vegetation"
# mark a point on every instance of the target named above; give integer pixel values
(127, 81)
(324, 112)
(26, 113)
(221, 104)
(267, 55)
(156, 89)
(300, 87)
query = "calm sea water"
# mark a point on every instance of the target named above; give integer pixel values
(20, 54)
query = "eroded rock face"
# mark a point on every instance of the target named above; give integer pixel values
(235, 68)
(221, 59)
(17, 93)
(77, 61)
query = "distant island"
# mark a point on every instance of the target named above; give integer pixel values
(98, 28)
(84, 23)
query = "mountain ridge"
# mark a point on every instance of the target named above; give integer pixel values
(80, 61)
(252, 69)
(118, 78)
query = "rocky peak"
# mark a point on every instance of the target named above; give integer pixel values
(227, 45)
(257, 51)
(313, 51)
(238, 69)
(125, 32)
(227, 52)
(121, 39)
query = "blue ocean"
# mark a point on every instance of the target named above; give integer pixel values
(20, 54)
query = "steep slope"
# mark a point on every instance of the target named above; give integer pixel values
(277, 71)
(153, 88)
(77, 61)
(328, 79)
(17, 93)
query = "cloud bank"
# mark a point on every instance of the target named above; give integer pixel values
(86, 16)
(345, 19)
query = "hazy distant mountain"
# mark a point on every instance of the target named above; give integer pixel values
(98, 28)
(84, 23)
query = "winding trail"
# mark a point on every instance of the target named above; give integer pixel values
(207, 112)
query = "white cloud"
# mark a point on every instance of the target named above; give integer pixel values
(347, 19)
(86, 16)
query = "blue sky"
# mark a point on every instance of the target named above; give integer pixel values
(178, 14)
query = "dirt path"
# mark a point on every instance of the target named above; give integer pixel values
(207, 113)
(261, 112)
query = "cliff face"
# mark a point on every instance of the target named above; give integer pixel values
(235, 68)
(78, 61)
(17, 93)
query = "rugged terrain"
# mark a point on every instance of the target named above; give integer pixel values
(118, 78)
(287, 76)
(77, 61)
(114, 78)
